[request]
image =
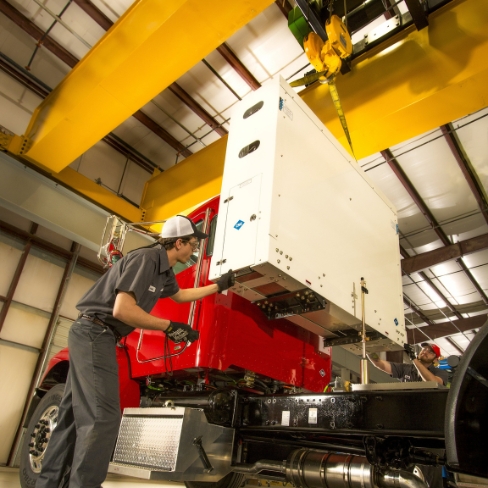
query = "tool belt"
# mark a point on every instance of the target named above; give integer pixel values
(101, 323)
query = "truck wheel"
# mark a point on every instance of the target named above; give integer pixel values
(232, 480)
(36, 439)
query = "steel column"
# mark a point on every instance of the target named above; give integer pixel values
(48, 337)
(47, 246)
(17, 274)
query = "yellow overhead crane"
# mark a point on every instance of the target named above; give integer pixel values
(414, 82)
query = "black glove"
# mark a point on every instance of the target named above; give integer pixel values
(179, 332)
(226, 281)
(410, 351)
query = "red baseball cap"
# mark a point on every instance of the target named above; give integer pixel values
(434, 348)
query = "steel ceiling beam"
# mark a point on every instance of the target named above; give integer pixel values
(20, 76)
(412, 264)
(436, 331)
(396, 168)
(197, 108)
(414, 195)
(36, 86)
(35, 32)
(114, 81)
(435, 288)
(226, 52)
(417, 311)
(30, 28)
(96, 14)
(105, 23)
(466, 168)
(455, 345)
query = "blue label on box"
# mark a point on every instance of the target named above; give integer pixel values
(239, 224)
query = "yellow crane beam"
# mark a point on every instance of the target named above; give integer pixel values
(147, 49)
(416, 82)
(194, 180)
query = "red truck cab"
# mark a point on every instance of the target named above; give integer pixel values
(238, 345)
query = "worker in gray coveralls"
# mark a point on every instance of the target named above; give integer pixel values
(120, 301)
(421, 369)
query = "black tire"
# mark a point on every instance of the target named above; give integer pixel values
(42, 423)
(232, 480)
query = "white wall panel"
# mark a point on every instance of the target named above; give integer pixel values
(17, 104)
(25, 325)
(52, 237)
(81, 280)
(39, 282)
(133, 183)
(10, 252)
(17, 366)
(102, 161)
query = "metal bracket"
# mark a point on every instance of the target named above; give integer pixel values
(203, 455)
(351, 337)
(5, 140)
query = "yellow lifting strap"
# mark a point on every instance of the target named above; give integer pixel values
(337, 104)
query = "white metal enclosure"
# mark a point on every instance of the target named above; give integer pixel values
(299, 212)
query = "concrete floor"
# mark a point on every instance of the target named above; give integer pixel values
(9, 478)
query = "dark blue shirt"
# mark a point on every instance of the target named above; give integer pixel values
(144, 272)
(408, 372)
